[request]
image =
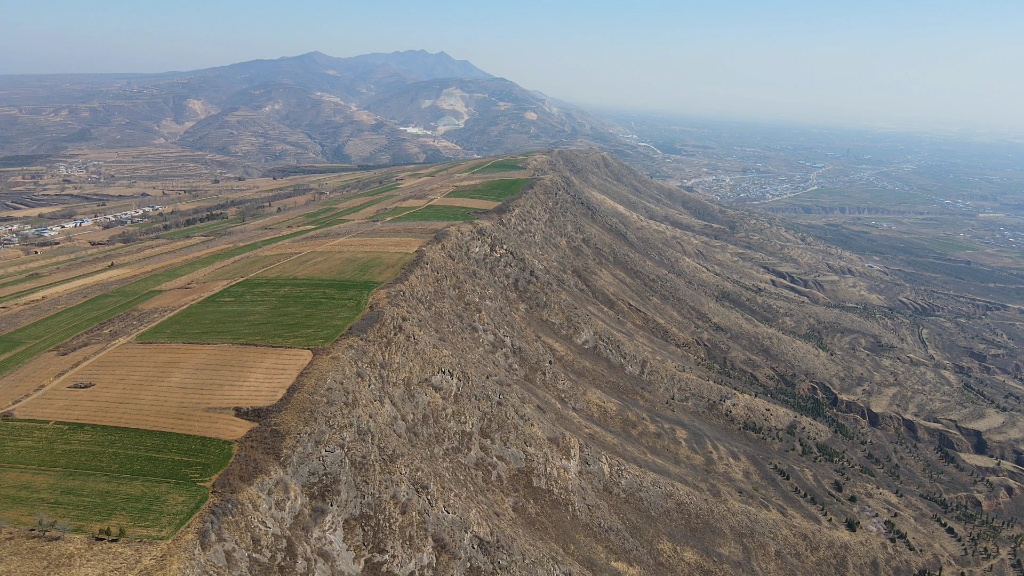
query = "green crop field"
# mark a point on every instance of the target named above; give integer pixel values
(434, 213)
(494, 190)
(498, 166)
(97, 476)
(298, 312)
(112, 450)
(350, 266)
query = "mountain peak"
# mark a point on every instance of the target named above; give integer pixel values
(424, 65)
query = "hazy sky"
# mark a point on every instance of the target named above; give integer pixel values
(934, 64)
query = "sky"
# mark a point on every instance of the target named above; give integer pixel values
(937, 65)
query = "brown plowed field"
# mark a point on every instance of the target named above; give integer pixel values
(466, 203)
(338, 265)
(182, 388)
(38, 372)
(353, 244)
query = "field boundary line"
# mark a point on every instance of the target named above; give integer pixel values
(80, 471)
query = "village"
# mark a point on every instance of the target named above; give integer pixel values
(14, 234)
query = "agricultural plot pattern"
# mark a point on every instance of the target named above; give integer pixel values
(127, 434)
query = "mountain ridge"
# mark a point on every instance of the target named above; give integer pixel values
(602, 379)
(411, 106)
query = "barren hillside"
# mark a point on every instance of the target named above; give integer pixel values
(611, 376)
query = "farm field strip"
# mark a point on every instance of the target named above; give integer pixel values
(38, 371)
(493, 190)
(202, 229)
(437, 213)
(339, 265)
(172, 387)
(467, 203)
(34, 289)
(357, 243)
(100, 268)
(496, 166)
(338, 217)
(90, 501)
(93, 476)
(111, 450)
(269, 311)
(330, 216)
(378, 190)
(392, 213)
(247, 266)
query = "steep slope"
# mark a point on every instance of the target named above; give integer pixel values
(615, 377)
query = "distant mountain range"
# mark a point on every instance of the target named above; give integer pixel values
(393, 108)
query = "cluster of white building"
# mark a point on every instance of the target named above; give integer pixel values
(76, 169)
(9, 232)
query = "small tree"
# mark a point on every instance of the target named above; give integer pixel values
(45, 524)
(122, 532)
(63, 527)
(852, 524)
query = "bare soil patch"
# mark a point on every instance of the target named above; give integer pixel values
(382, 243)
(412, 203)
(174, 387)
(178, 296)
(342, 265)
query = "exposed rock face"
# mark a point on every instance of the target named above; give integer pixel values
(577, 386)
